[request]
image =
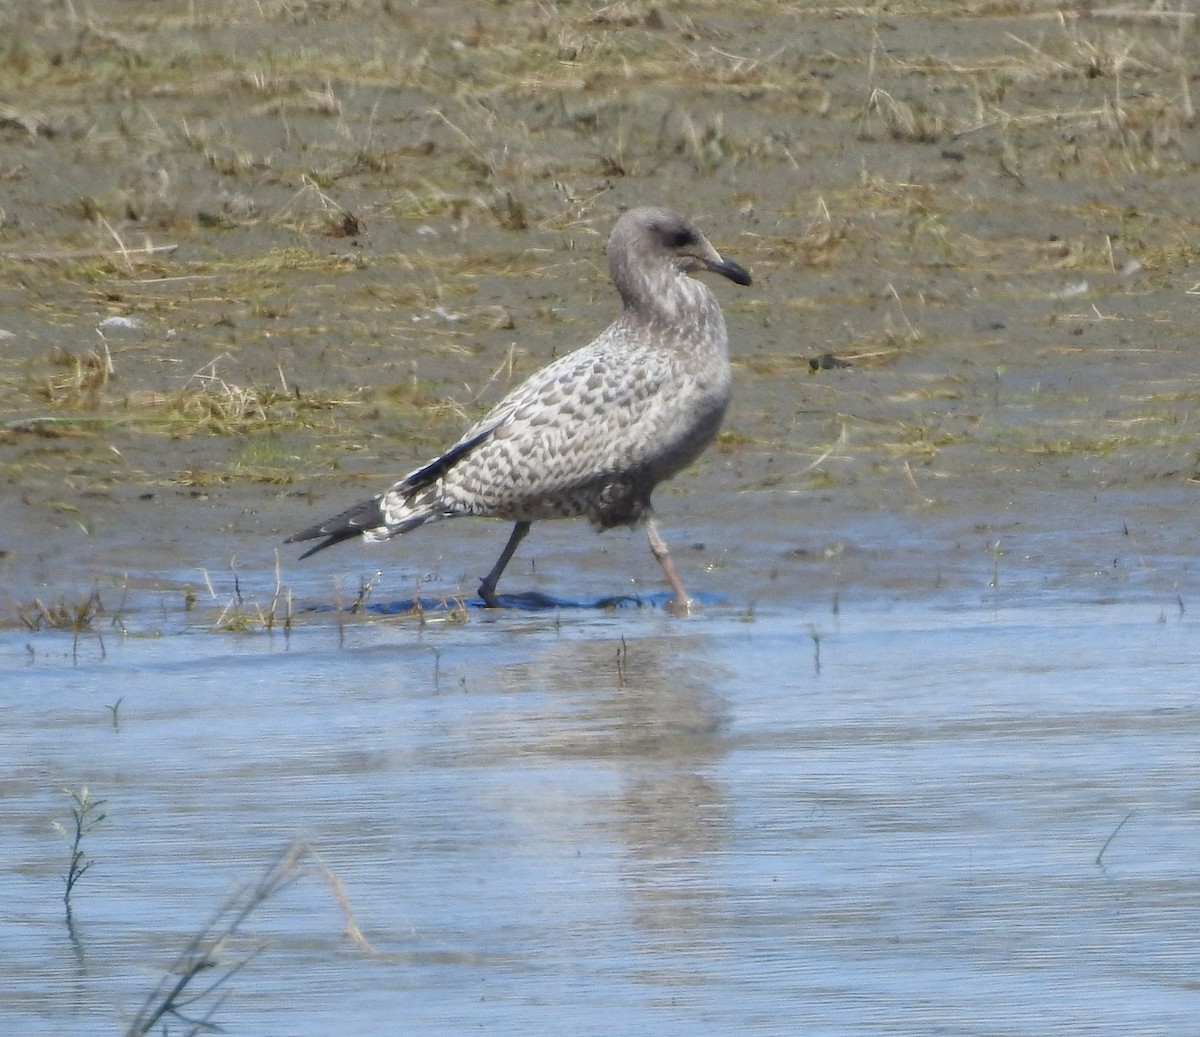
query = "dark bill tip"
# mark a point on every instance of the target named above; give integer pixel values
(735, 272)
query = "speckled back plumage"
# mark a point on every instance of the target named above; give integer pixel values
(594, 432)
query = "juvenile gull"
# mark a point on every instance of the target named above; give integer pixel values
(593, 433)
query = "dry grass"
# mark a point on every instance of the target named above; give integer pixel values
(242, 615)
(78, 617)
(198, 981)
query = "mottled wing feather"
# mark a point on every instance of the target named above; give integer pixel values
(589, 416)
(428, 474)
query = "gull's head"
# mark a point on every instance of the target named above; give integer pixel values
(647, 243)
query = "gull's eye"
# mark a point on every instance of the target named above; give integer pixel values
(678, 237)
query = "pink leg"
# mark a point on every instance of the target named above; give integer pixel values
(658, 548)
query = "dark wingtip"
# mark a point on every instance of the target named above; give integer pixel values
(328, 542)
(349, 524)
(318, 531)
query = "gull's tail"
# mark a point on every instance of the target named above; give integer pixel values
(413, 501)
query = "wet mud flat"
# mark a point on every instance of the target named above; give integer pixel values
(260, 260)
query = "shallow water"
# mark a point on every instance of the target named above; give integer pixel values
(891, 819)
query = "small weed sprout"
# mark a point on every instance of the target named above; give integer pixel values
(456, 606)
(86, 814)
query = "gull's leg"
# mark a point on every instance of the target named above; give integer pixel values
(658, 548)
(487, 589)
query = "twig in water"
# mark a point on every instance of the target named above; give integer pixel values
(177, 995)
(365, 587)
(339, 611)
(1113, 836)
(286, 592)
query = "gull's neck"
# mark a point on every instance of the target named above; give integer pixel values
(669, 300)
